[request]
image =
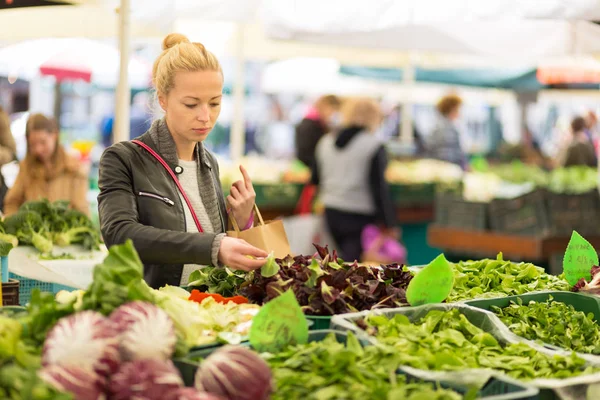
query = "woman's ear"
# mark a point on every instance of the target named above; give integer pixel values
(162, 101)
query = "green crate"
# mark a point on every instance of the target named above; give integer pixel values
(413, 195)
(483, 319)
(580, 302)
(318, 322)
(281, 195)
(494, 389)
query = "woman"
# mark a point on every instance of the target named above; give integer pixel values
(581, 151)
(350, 172)
(444, 143)
(8, 150)
(140, 197)
(47, 172)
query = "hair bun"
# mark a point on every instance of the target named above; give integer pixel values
(173, 39)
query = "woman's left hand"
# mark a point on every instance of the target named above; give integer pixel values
(241, 199)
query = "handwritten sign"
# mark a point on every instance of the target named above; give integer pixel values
(579, 259)
(432, 285)
(278, 324)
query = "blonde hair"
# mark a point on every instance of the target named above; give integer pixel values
(179, 54)
(362, 112)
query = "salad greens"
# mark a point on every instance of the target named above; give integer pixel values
(498, 278)
(217, 280)
(448, 341)
(325, 285)
(554, 323)
(573, 180)
(118, 280)
(331, 370)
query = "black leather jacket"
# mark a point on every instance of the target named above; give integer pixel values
(138, 200)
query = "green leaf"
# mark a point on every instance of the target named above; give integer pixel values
(5, 248)
(315, 273)
(270, 268)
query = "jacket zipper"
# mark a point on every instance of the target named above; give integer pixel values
(155, 196)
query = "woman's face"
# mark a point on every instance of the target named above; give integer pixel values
(42, 144)
(193, 105)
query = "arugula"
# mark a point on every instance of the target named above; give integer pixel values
(448, 341)
(552, 322)
(499, 278)
(328, 370)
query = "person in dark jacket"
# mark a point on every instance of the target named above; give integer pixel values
(317, 122)
(174, 233)
(581, 151)
(350, 173)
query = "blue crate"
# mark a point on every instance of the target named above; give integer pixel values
(27, 285)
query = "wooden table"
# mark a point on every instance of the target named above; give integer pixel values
(489, 244)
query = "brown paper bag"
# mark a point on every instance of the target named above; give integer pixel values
(270, 236)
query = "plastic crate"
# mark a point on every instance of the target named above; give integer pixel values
(453, 211)
(280, 195)
(318, 322)
(10, 293)
(484, 320)
(569, 212)
(494, 389)
(413, 195)
(524, 215)
(580, 302)
(26, 286)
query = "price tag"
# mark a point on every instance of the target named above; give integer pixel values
(278, 324)
(432, 284)
(579, 259)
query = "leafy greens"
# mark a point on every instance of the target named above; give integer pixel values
(448, 341)
(552, 322)
(499, 278)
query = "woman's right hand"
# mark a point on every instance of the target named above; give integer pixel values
(234, 254)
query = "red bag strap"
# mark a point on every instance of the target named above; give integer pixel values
(172, 174)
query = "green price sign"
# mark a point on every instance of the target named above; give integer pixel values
(579, 259)
(278, 324)
(432, 284)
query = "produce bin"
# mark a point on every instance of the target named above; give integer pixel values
(549, 389)
(580, 302)
(524, 215)
(318, 322)
(405, 195)
(569, 212)
(453, 211)
(495, 389)
(26, 286)
(280, 195)
(12, 311)
(10, 293)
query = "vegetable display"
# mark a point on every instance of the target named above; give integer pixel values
(43, 224)
(552, 322)
(235, 373)
(327, 286)
(221, 281)
(498, 278)
(591, 287)
(448, 341)
(331, 370)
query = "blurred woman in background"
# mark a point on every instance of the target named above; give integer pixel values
(47, 171)
(350, 173)
(444, 142)
(8, 150)
(581, 150)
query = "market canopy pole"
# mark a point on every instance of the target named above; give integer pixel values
(123, 100)
(238, 124)
(406, 136)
